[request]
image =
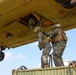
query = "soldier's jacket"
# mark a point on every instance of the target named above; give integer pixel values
(43, 39)
(57, 35)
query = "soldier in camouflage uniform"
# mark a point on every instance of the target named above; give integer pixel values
(43, 45)
(59, 41)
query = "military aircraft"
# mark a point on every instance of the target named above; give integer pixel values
(15, 15)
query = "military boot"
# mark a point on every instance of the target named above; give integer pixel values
(47, 65)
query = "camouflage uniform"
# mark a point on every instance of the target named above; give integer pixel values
(58, 52)
(59, 40)
(46, 50)
(43, 45)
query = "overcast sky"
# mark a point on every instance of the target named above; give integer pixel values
(29, 55)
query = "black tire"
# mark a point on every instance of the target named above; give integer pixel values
(2, 55)
(68, 5)
(59, 1)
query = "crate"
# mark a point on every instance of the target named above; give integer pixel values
(46, 71)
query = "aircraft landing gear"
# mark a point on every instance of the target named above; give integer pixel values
(67, 3)
(60, 1)
(2, 55)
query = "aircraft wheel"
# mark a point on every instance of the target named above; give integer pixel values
(59, 1)
(2, 55)
(68, 5)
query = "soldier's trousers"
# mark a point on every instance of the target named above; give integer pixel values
(45, 54)
(58, 49)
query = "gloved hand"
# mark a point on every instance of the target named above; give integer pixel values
(40, 47)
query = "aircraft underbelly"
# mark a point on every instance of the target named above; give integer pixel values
(12, 11)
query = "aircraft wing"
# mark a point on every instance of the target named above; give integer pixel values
(14, 27)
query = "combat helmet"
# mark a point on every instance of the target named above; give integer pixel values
(56, 26)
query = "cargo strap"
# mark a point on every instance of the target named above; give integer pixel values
(50, 60)
(21, 68)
